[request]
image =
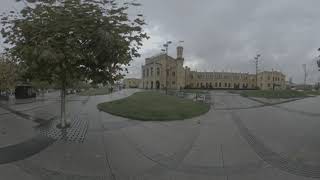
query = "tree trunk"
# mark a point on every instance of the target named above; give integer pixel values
(63, 107)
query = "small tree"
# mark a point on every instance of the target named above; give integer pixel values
(8, 74)
(73, 40)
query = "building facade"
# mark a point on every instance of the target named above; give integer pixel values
(163, 71)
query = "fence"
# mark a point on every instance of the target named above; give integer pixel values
(201, 96)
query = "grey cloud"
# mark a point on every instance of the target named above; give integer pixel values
(227, 34)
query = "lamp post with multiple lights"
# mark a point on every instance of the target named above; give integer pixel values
(166, 48)
(318, 61)
(256, 60)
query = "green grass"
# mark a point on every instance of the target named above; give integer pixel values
(194, 91)
(95, 92)
(314, 93)
(153, 106)
(286, 94)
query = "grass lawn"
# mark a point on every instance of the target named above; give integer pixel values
(95, 92)
(194, 91)
(153, 106)
(314, 93)
(274, 94)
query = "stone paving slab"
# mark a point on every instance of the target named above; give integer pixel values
(224, 101)
(212, 146)
(308, 105)
(12, 172)
(24, 149)
(184, 176)
(84, 160)
(14, 129)
(268, 174)
(168, 139)
(205, 151)
(293, 136)
(126, 161)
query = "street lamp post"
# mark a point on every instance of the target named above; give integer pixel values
(318, 61)
(256, 59)
(166, 46)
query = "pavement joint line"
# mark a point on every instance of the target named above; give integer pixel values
(107, 160)
(174, 160)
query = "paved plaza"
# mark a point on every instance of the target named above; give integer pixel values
(237, 139)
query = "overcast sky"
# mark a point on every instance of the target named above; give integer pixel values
(225, 35)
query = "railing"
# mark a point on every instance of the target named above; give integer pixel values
(203, 97)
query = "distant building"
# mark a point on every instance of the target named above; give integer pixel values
(132, 83)
(269, 80)
(163, 71)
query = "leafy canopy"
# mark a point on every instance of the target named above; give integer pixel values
(63, 41)
(8, 74)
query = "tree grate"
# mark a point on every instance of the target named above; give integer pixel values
(75, 133)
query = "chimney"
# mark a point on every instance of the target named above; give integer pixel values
(179, 52)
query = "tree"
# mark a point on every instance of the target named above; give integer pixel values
(73, 40)
(7, 74)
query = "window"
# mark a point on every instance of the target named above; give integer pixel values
(229, 85)
(216, 84)
(173, 82)
(158, 71)
(225, 84)
(151, 71)
(147, 72)
(219, 84)
(173, 73)
(144, 73)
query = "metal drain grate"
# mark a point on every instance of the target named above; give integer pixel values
(75, 133)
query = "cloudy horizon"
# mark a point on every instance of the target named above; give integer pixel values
(225, 35)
